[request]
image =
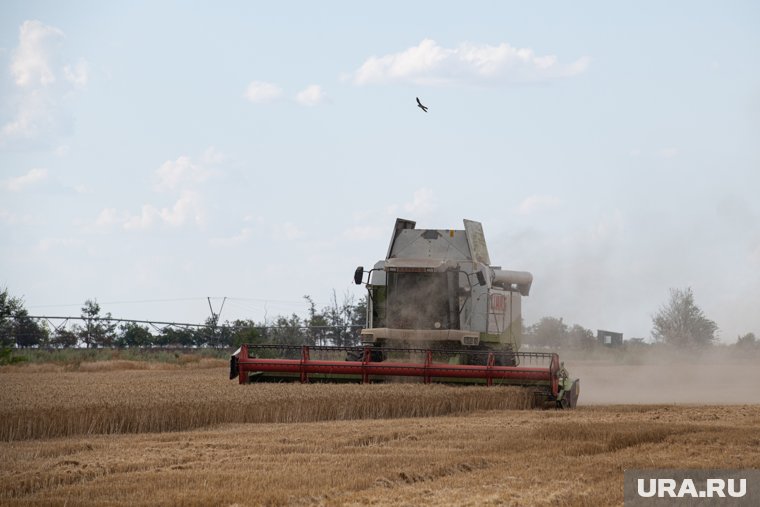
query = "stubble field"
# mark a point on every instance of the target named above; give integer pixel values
(120, 434)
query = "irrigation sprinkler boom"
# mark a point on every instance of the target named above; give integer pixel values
(437, 311)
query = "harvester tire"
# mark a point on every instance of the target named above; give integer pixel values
(354, 355)
(504, 358)
(376, 355)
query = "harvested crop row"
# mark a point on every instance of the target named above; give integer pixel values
(63, 404)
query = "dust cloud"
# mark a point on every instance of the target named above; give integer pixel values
(708, 379)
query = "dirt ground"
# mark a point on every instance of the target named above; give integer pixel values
(703, 382)
(493, 457)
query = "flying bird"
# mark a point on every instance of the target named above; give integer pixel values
(419, 104)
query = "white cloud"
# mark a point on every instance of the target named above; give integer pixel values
(312, 95)
(188, 208)
(144, 220)
(77, 74)
(183, 171)
(32, 177)
(36, 114)
(261, 92)
(38, 95)
(179, 177)
(236, 240)
(32, 59)
(431, 64)
(423, 202)
(536, 203)
(108, 217)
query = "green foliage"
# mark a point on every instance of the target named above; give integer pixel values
(245, 331)
(133, 335)
(8, 357)
(179, 337)
(16, 327)
(552, 332)
(285, 331)
(9, 307)
(549, 332)
(333, 325)
(340, 317)
(63, 338)
(97, 331)
(681, 323)
(317, 322)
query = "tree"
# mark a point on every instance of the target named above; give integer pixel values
(580, 337)
(16, 327)
(549, 331)
(213, 335)
(359, 314)
(748, 341)
(340, 317)
(245, 331)
(179, 337)
(286, 331)
(97, 330)
(9, 307)
(681, 323)
(134, 335)
(29, 333)
(63, 338)
(317, 324)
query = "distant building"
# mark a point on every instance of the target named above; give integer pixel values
(609, 338)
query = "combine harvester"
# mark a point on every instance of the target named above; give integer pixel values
(437, 311)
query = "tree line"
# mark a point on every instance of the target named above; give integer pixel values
(679, 323)
(338, 323)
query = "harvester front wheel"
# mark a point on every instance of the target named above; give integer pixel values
(478, 356)
(354, 355)
(376, 355)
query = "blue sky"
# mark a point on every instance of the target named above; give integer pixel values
(156, 153)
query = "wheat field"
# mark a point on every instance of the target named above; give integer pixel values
(471, 453)
(110, 399)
